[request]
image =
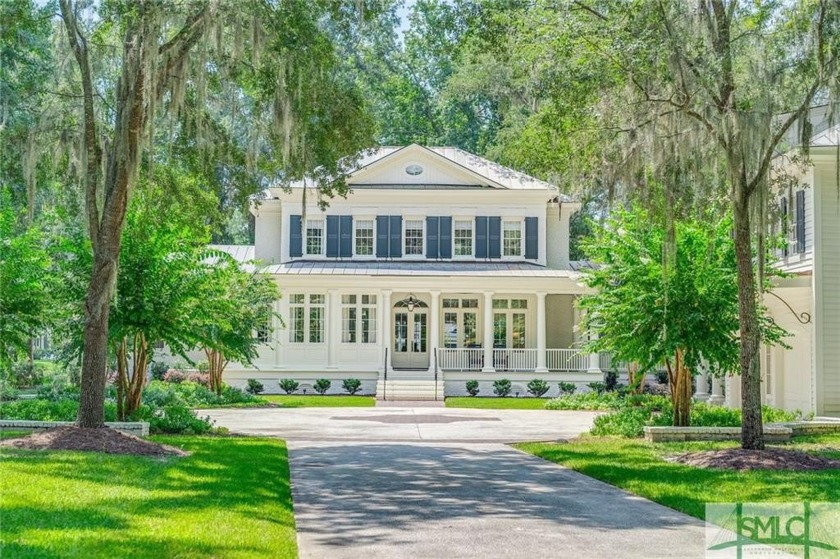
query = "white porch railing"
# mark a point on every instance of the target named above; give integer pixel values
(515, 359)
(566, 360)
(460, 359)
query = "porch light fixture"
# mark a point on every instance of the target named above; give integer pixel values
(411, 302)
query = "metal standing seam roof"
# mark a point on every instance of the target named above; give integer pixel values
(420, 268)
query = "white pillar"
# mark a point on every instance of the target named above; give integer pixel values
(386, 325)
(488, 333)
(701, 392)
(717, 392)
(281, 332)
(541, 368)
(594, 358)
(434, 328)
(333, 327)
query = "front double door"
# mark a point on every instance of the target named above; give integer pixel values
(411, 333)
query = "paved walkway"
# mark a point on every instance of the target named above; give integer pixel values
(439, 483)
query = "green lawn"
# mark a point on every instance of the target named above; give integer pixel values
(639, 467)
(497, 403)
(229, 499)
(318, 401)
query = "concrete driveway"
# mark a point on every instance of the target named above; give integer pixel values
(440, 483)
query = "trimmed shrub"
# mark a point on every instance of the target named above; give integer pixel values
(351, 385)
(158, 370)
(175, 376)
(254, 386)
(661, 377)
(322, 385)
(537, 387)
(597, 387)
(501, 387)
(610, 381)
(472, 387)
(199, 378)
(585, 401)
(289, 385)
(567, 388)
(177, 419)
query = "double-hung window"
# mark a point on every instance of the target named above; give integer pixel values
(463, 237)
(307, 318)
(314, 243)
(414, 237)
(358, 319)
(363, 237)
(512, 238)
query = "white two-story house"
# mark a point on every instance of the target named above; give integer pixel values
(439, 267)
(807, 303)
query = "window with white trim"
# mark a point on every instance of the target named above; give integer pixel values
(463, 238)
(512, 238)
(307, 318)
(358, 319)
(314, 241)
(413, 237)
(363, 237)
(509, 323)
(460, 323)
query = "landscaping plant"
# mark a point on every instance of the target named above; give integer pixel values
(501, 387)
(288, 385)
(254, 386)
(472, 387)
(322, 385)
(567, 388)
(351, 385)
(537, 387)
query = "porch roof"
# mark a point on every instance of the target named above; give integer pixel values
(421, 268)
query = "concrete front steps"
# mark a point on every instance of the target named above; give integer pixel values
(409, 385)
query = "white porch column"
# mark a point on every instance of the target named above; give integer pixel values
(434, 328)
(281, 332)
(717, 392)
(701, 394)
(488, 333)
(594, 358)
(386, 325)
(333, 327)
(541, 368)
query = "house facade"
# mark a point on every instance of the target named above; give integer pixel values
(439, 267)
(806, 303)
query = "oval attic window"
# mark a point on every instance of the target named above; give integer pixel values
(414, 170)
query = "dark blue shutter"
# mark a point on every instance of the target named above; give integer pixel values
(382, 236)
(345, 236)
(494, 237)
(800, 221)
(332, 236)
(785, 224)
(531, 244)
(432, 224)
(481, 237)
(445, 237)
(396, 236)
(295, 237)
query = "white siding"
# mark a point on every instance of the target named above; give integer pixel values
(787, 372)
(827, 292)
(268, 233)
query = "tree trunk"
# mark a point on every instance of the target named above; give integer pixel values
(752, 429)
(122, 378)
(680, 378)
(138, 375)
(217, 363)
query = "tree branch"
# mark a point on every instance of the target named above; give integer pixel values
(174, 51)
(78, 44)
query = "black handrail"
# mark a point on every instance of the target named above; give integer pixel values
(436, 372)
(385, 382)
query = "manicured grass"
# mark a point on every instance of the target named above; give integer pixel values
(229, 499)
(639, 467)
(497, 403)
(318, 401)
(13, 433)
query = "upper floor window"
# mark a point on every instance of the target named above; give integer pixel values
(307, 318)
(414, 237)
(463, 238)
(363, 237)
(512, 238)
(314, 237)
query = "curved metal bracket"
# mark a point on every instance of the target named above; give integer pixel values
(803, 317)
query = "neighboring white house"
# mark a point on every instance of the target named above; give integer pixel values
(807, 304)
(439, 267)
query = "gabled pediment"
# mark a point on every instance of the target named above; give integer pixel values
(415, 165)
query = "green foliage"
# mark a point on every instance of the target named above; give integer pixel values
(501, 387)
(7, 391)
(158, 394)
(585, 401)
(646, 308)
(597, 387)
(27, 375)
(351, 385)
(158, 369)
(322, 385)
(472, 387)
(254, 386)
(289, 386)
(537, 387)
(48, 410)
(567, 388)
(178, 419)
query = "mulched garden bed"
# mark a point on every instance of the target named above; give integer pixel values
(769, 459)
(105, 440)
